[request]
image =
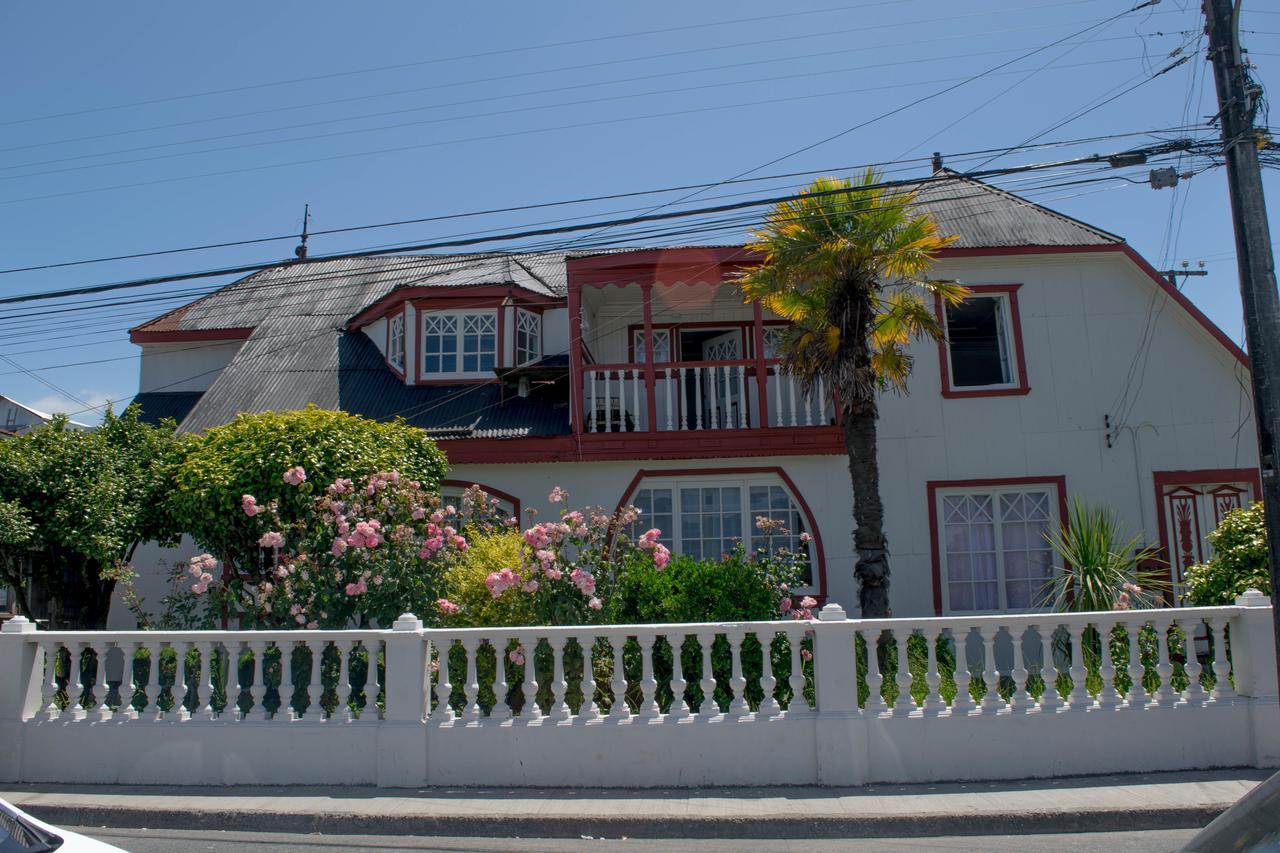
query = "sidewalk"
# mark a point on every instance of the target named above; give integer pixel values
(1081, 804)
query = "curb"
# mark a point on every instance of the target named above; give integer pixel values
(638, 826)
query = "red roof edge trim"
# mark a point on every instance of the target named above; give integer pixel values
(176, 336)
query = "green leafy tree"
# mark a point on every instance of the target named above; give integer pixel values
(1239, 560)
(847, 270)
(248, 456)
(76, 504)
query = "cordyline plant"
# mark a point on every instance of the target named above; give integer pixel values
(1104, 568)
(365, 552)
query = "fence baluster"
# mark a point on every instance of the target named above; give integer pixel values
(666, 386)
(875, 699)
(697, 396)
(933, 703)
(797, 701)
(777, 395)
(1222, 689)
(679, 707)
(210, 683)
(1165, 694)
(559, 685)
(707, 682)
(444, 687)
(501, 709)
(963, 702)
(153, 680)
(1021, 700)
(530, 709)
(1195, 692)
(182, 681)
(991, 701)
(315, 686)
(768, 683)
(588, 710)
(791, 385)
(1050, 699)
(1079, 698)
(648, 684)
(618, 684)
(742, 396)
(1108, 697)
(471, 687)
(1137, 697)
(258, 680)
(102, 689)
(904, 702)
(595, 410)
(737, 683)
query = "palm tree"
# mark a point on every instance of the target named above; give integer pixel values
(845, 264)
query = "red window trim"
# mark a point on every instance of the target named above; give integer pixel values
(803, 505)
(1015, 322)
(1161, 480)
(497, 493)
(1058, 480)
(386, 349)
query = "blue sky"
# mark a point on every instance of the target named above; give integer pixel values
(144, 126)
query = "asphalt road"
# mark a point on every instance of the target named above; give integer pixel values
(170, 840)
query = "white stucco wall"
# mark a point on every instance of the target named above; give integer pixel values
(189, 366)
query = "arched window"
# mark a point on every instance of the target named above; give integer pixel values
(451, 492)
(705, 513)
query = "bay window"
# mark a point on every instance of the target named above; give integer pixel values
(528, 337)
(395, 342)
(459, 343)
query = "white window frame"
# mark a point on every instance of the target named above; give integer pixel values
(396, 341)
(771, 340)
(661, 345)
(944, 581)
(673, 538)
(529, 328)
(1008, 342)
(459, 333)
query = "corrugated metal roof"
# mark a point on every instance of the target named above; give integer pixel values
(158, 405)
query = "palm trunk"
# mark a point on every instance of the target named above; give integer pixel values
(872, 566)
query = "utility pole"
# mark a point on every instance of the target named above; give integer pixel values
(1238, 97)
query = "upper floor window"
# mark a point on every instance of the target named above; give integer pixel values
(528, 337)
(983, 350)
(395, 342)
(661, 345)
(773, 341)
(993, 553)
(459, 343)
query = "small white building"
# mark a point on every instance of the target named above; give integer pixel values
(16, 418)
(641, 376)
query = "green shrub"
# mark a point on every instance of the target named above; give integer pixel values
(465, 583)
(1239, 560)
(687, 590)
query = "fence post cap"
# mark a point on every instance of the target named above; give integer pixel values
(1253, 598)
(832, 613)
(407, 622)
(18, 625)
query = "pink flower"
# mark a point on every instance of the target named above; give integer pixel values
(516, 655)
(249, 504)
(512, 521)
(358, 588)
(340, 486)
(295, 610)
(447, 607)
(199, 588)
(553, 573)
(785, 606)
(806, 654)
(805, 538)
(450, 510)
(808, 602)
(273, 539)
(530, 586)
(558, 495)
(595, 604)
(661, 557)
(206, 578)
(419, 513)
(339, 546)
(295, 476)
(311, 626)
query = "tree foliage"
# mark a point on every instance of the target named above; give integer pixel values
(846, 264)
(76, 503)
(247, 456)
(1239, 560)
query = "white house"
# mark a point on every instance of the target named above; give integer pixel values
(641, 376)
(17, 418)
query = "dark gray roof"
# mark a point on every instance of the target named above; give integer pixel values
(292, 362)
(158, 405)
(983, 216)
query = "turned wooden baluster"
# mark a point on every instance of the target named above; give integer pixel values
(531, 709)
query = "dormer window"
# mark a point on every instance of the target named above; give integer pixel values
(459, 343)
(528, 337)
(395, 342)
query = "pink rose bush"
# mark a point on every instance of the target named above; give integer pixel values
(365, 551)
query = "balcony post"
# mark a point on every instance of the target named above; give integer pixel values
(650, 375)
(576, 376)
(762, 377)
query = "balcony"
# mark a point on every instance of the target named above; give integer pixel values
(698, 396)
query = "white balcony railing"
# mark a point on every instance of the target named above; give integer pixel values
(837, 701)
(699, 396)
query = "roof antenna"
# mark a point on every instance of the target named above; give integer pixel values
(937, 161)
(301, 251)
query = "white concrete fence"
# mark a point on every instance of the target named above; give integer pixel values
(1031, 696)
